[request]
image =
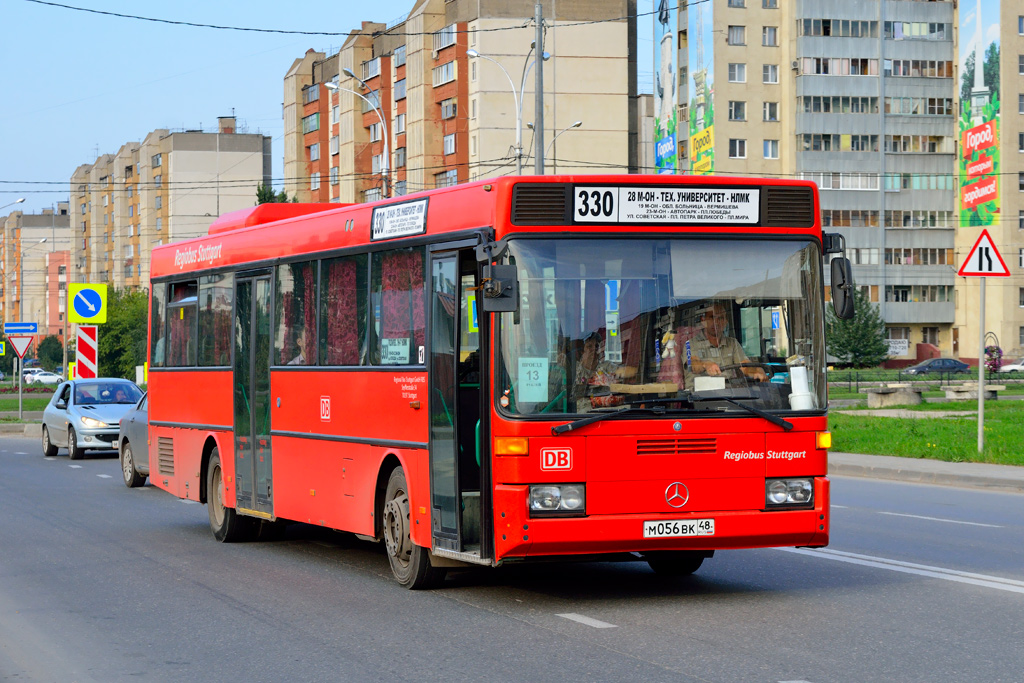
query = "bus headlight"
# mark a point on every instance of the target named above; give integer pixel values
(789, 493)
(557, 499)
(94, 424)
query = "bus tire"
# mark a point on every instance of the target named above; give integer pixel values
(675, 563)
(131, 476)
(410, 563)
(228, 526)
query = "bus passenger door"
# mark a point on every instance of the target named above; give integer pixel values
(455, 397)
(253, 486)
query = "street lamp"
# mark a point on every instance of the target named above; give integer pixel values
(16, 201)
(386, 163)
(551, 144)
(517, 96)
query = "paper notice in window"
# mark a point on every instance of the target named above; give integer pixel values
(394, 351)
(533, 380)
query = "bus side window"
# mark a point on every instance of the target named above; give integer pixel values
(295, 338)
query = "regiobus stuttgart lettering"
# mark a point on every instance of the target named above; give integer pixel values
(204, 253)
(769, 455)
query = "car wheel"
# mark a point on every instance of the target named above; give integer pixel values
(74, 452)
(132, 478)
(228, 526)
(410, 563)
(49, 450)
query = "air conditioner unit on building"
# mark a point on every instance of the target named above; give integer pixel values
(796, 65)
(433, 54)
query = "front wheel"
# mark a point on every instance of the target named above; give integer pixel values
(49, 450)
(132, 478)
(675, 563)
(74, 452)
(410, 563)
(228, 526)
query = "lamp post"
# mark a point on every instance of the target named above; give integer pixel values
(385, 166)
(16, 201)
(575, 124)
(517, 96)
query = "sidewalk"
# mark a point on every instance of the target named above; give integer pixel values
(924, 471)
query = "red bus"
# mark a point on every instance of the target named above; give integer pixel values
(524, 368)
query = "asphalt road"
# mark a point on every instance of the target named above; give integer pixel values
(102, 583)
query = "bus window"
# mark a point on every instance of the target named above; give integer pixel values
(343, 311)
(215, 294)
(399, 314)
(158, 353)
(295, 313)
(181, 324)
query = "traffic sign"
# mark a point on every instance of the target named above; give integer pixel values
(3, 348)
(85, 352)
(20, 342)
(984, 260)
(88, 304)
(21, 328)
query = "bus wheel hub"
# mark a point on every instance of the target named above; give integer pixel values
(396, 527)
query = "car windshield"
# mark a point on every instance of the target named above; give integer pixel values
(94, 393)
(604, 323)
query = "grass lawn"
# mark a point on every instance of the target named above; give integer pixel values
(953, 439)
(9, 403)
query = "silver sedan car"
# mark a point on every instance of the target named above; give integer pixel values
(86, 414)
(133, 444)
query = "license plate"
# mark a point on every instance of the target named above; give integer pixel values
(679, 528)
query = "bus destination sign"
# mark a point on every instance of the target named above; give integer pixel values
(399, 220)
(666, 204)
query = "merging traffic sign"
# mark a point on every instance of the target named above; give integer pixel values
(20, 342)
(984, 260)
(88, 303)
(21, 328)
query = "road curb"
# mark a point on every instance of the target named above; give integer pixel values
(963, 475)
(22, 428)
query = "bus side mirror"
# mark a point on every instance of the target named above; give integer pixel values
(842, 288)
(500, 289)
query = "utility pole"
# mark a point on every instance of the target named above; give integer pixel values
(538, 116)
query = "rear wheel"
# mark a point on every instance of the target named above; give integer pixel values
(74, 452)
(132, 478)
(49, 450)
(228, 526)
(675, 563)
(410, 563)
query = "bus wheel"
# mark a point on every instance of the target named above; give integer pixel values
(410, 563)
(675, 563)
(228, 526)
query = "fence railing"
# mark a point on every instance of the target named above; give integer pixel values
(856, 380)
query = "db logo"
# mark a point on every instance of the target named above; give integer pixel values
(556, 458)
(325, 408)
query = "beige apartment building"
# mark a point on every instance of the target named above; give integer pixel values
(168, 187)
(438, 108)
(33, 258)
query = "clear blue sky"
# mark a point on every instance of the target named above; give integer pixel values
(77, 84)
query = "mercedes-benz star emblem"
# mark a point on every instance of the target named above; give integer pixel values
(677, 494)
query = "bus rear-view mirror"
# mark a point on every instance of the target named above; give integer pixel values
(842, 288)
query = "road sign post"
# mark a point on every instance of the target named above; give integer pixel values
(87, 352)
(983, 261)
(20, 342)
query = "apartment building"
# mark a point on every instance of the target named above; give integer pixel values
(168, 187)
(990, 167)
(857, 95)
(436, 97)
(33, 258)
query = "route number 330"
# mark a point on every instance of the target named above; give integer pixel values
(595, 204)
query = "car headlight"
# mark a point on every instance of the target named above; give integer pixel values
(557, 499)
(789, 493)
(93, 423)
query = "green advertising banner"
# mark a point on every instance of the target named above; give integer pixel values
(666, 156)
(978, 161)
(702, 88)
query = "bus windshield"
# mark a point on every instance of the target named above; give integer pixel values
(604, 323)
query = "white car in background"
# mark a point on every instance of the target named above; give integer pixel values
(1013, 366)
(44, 377)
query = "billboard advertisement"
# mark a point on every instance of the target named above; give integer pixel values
(666, 156)
(978, 160)
(702, 88)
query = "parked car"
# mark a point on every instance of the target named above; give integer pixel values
(2, 376)
(44, 377)
(1013, 366)
(27, 372)
(935, 366)
(132, 444)
(86, 414)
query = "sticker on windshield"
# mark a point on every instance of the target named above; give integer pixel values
(533, 380)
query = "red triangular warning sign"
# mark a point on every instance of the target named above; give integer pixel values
(984, 260)
(20, 342)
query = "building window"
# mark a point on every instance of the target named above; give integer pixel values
(770, 4)
(314, 181)
(311, 93)
(314, 151)
(83, 209)
(335, 114)
(771, 111)
(159, 225)
(399, 56)
(399, 124)
(737, 73)
(737, 35)
(448, 108)
(770, 36)
(444, 37)
(771, 149)
(472, 71)
(335, 175)
(1020, 104)
(373, 194)
(375, 132)
(770, 73)
(335, 142)
(737, 149)
(311, 123)
(737, 111)
(1020, 295)
(444, 74)
(1020, 220)
(375, 162)
(400, 157)
(400, 90)
(372, 101)
(449, 144)
(737, 3)
(400, 186)
(156, 160)
(159, 202)
(1020, 64)
(930, 335)
(371, 68)
(446, 178)
(1020, 182)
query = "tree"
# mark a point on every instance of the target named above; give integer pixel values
(122, 339)
(50, 353)
(265, 194)
(861, 340)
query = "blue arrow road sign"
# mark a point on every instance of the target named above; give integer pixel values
(88, 303)
(21, 328)
(776, 322)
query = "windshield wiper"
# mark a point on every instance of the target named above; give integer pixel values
(597, 417)
(691, 397)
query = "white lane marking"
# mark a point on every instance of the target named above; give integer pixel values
(586, 621)
(983, 580)
(20, 453)
(800, 681)
(103, 476)
(837, 507)
(939, 519)
(49, 459)
(186, 501)
(75, 467)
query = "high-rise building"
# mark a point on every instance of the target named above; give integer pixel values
(34, 288)
(169, 187)
(446, 89)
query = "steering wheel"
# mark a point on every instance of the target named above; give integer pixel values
(768, 371)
